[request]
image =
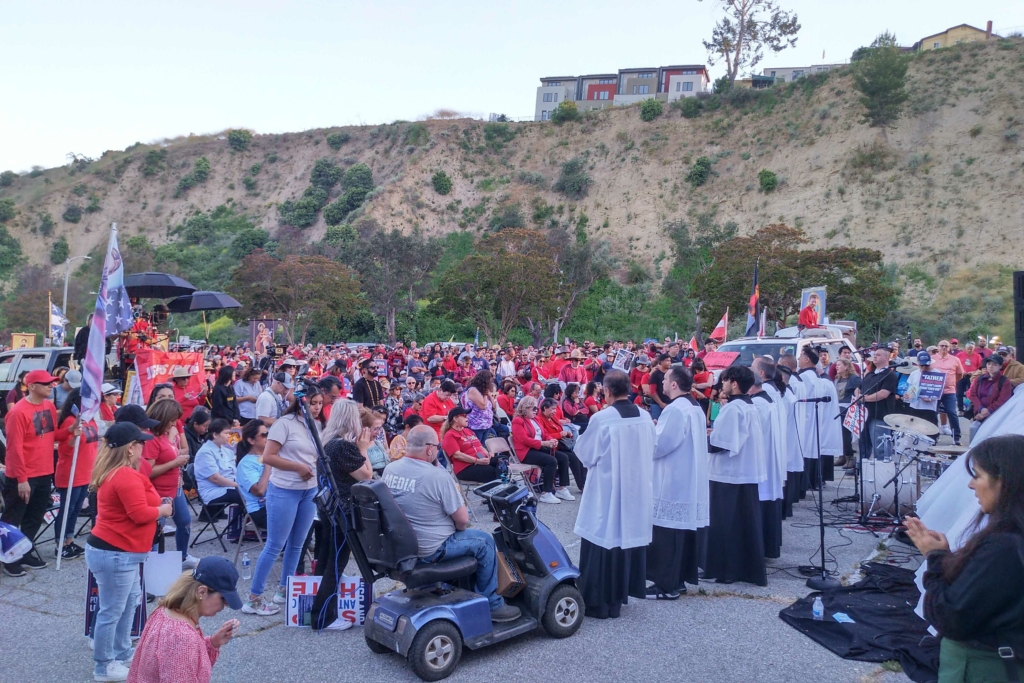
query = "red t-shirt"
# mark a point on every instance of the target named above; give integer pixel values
(107, 412)
(507, 403)
(87, 448)
(187, 404)
(970, 361)
(409, 411)
(432, 406)
(31, 430)
(463, 441)
(160, 450)
(126, 510)
(637, 379)
(591, 401)
(808, 317)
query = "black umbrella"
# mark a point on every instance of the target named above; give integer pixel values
(202, 301)
(156, 286)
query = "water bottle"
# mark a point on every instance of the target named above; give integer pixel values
(818, 610)
(247, 569)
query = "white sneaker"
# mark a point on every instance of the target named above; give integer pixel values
(169, 529)
(279, 597)
(190, 562)
(946, 430)
(548, 497)
(116, 671)
(564, 494)
(340, 625)
(260, 608)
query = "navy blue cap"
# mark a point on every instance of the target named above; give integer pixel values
(123, 433)
(217, 573)
(924, 358)
(136, 415)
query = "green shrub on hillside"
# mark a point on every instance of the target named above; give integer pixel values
(573, 182)
(94, 204)
(508, 216)
(299, 213)
(325, 174)
(416, 134)
(46, 224)
(689, 107)
(6, 210)
(768, 180)
(566, 111)
(72, 214)
(200, 172)
(10, 252)
(60, 251)
(255, 169)
(249, 182)
(650, 109)
(700, 172)
(340, 235)
(79, 190)
(338, 210)
(239, 139)
(441, 182)
(358, 176)
(248, 241)
(195, 229)
(336, 140)
(7, 178)
(497, 134)
(881, 79)
(153, 162)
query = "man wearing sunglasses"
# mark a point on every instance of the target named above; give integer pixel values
(430, 498)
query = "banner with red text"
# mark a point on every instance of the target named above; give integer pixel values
(156, 367)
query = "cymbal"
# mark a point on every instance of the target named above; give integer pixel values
(947, 450)
(912, 423)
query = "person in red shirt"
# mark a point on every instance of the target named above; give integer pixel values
(438, 404)
(809, 314)
(533, 448)
(470, 460)
(31, 426)
(465, 371)
(507, 398)
(109, 404)
(188, 400)
(638, 376)
(573, 371)
(72, 428)
(162, 461)
(971, 361)
(127, 509)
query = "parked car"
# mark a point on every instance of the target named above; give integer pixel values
(17, 361)
(749, 348)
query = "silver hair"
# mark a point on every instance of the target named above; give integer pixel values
(344, 422)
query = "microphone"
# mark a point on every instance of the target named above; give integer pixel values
(900, 363)
(823, 399)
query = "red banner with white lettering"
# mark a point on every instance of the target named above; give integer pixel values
(157, 367)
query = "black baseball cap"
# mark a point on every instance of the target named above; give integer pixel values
(455, 412)
(282, 377)
(123, 433)
(217, 573)
(135, 415)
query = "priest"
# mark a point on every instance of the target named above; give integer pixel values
(736, 466)
(617, 509)
(680, 489)
(807, 361)
(773, 413)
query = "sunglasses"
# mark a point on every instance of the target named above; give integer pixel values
(262, 435)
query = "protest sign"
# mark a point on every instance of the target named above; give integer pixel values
(623, 361)
(353, 599)
(716, 360)
(155, 367)
(930, 387)
(92, 605)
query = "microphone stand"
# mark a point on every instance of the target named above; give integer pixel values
(824, 582)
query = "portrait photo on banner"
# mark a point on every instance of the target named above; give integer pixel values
(261, 335)
(813, 299)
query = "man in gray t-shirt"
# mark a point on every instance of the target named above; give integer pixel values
(430, 498)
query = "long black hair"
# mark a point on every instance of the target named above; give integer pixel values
(293, 409)
(249, 431)
(1002, 459)
(73, 400)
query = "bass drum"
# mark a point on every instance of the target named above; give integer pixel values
(876, 475)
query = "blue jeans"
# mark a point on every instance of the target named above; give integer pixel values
(73, 507)
(655, 410)
(947, 405)
(289, 516)
(484, 434)
(478, 544)
(182, 517)
(117, 577)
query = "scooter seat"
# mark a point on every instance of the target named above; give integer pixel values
(446, 570)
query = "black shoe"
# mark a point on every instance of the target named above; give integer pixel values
(150, 597)
(14, 569)
(655, 593)
(72, 551)
(505, 613)
(956, 442)
(32, 561)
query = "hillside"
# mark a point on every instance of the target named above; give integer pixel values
(940, 195)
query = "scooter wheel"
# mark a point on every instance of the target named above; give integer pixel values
(377, 648)
(563, 614)
(436, 650)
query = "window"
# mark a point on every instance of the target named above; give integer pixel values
(677, 86)
(644, 89)
(773, 74)
(936, 44)
(606, 81)
(604, 94)
(645, 75)
(797, 73)
(30, 362)
(6, 365)
(552, 84)
(688, 86)
(554, 97)
(547, 96)
(545, 115)
(689, 72)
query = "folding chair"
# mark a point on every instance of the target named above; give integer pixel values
(463, 486)
(50, 516)
(497, 445)
(246, 521)
(208, 516)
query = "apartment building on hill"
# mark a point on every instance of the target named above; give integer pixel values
(791, 73)
(624, 87)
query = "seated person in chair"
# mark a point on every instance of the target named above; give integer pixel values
(470, 460)
(216, 476)
(252, 475)
(431, 500)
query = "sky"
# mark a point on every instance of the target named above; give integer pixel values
(85, 77)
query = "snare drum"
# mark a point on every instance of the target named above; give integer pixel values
(932, 468)
(905, 441)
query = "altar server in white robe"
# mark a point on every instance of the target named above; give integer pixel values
(830, 427)
(796, 390)
(680, 489)
(807, 363)
(773, 412)
(735, 548)
(617, 509)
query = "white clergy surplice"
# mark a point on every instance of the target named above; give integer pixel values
(617, 508)
(737, 431)
(681, 467)
(805, 413)
(830, 426)
(794, 455)
(773, 427)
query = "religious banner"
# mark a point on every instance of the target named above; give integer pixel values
(156, 367)
(623, 361)
(931, 386)
(261, 336)
(812, 307)
(23, 340)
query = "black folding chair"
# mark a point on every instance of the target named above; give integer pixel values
(208, 516)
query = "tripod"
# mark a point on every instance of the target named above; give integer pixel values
(824, 582)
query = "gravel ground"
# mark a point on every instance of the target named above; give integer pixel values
(714, 633)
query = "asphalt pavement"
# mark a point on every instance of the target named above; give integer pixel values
(714, 633)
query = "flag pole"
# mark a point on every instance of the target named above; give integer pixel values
(67, 499)
(49, 318)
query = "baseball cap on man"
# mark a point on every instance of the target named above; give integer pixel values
(123, 433)
(40, 377)
(218, 574)
(282, 377)
(1001, 349)
(924, 358)
(73, 378)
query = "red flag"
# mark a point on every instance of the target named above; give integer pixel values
(693, 344)
(721, 331)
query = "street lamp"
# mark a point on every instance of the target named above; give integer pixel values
(67, 272)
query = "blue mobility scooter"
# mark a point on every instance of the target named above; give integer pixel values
(437, 613)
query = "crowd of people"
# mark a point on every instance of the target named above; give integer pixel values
(683, 475)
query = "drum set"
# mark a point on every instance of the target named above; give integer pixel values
(893, 486)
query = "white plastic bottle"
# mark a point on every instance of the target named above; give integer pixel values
(818, 610)
(246, 567)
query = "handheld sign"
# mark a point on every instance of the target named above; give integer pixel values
(931, 385)
(718, 360)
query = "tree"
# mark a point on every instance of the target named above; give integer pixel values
(7, 178)
(239, 139)
(300, 290)
(10, 253)
(7, 211)
(748, 27)
(650, 109)
(881, 78)
(60, 251)
(511, 277)
(565, 111)
(394, 271)
(574, 181)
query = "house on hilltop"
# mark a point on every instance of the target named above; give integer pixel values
(964, 33)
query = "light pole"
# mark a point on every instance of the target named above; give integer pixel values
(67, 272)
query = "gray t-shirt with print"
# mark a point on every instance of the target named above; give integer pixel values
(428, 495)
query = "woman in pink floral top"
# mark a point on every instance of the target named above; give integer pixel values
(172, 648)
